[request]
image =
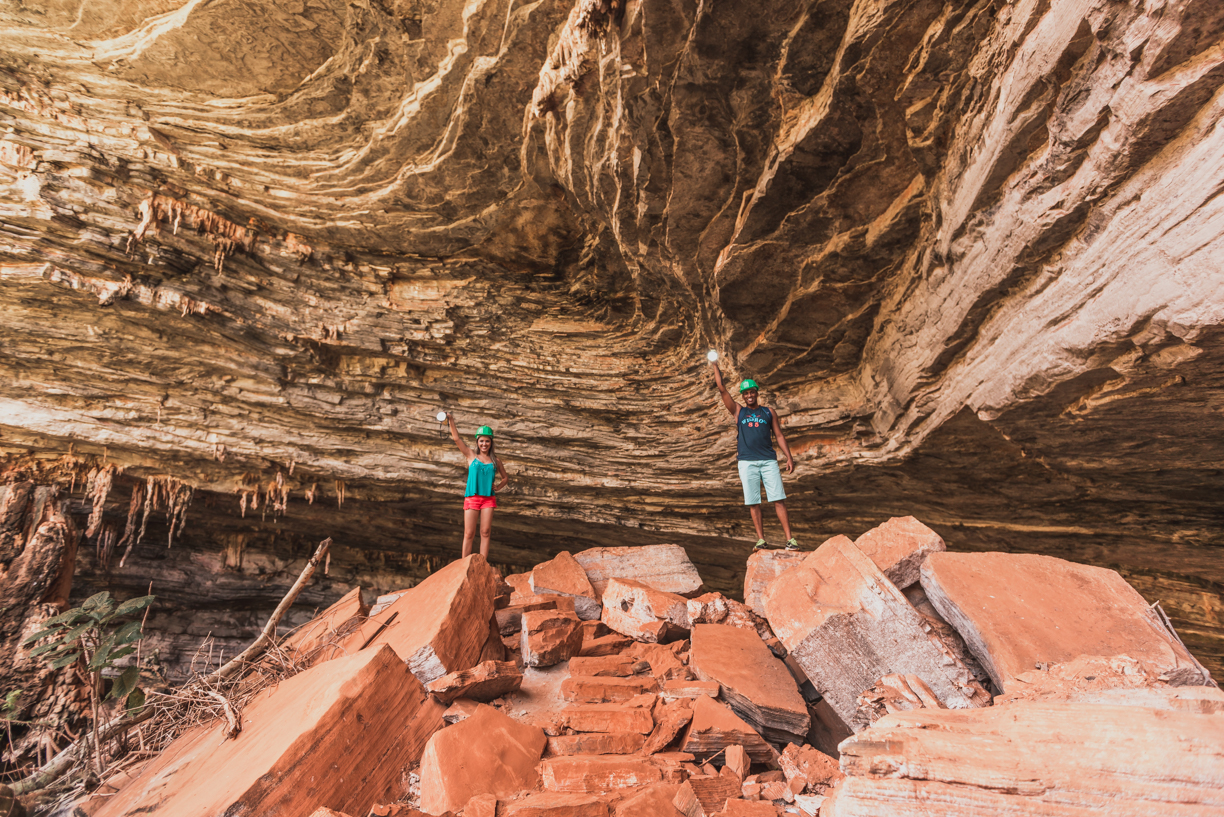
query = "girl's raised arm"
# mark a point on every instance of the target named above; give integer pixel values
(454, 430)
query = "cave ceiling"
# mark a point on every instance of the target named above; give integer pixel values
(972, 250)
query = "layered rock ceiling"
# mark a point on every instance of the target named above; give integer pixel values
(972, 251)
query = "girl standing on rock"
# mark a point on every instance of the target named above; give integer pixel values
(484, 467)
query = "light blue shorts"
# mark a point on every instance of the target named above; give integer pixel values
(753, 473)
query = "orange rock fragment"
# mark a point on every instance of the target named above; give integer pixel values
(705, 796)
(563, 576)
(603, 665)
(489, 753)
(597, 773)
(557, 804)
(550, 637)
(483, 682)
(654, 801)
(715, 727)
(608, 718)
(592, 689)
(596, 743)
(644, 613)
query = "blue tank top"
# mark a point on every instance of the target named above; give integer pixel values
(480, 478)
(754, 435)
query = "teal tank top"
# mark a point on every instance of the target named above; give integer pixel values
(480, 478)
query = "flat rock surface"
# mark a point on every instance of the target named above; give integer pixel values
(1017, 611)
(338, 734)
(757, 686)
(1093, 758)
(763, 567)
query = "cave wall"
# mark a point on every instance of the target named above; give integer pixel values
(971, 249)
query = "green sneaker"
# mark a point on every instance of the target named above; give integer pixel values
(791, 544)
(760, 545)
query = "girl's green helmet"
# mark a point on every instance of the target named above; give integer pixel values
(749, 384)
(484, 431)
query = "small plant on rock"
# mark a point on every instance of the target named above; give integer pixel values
(96, 636)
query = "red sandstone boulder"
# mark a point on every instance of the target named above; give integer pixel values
(595, 689)
(756, 685)
(596, 743)
(644, 613)
(557, 804)
(705, 796)
(672, 690)
(1017, 611)
(898, 547)
(669, 718)
(602, 666)
(847, 626)
(483, 682)
(440, 625)
(489, 753)
(597, 774)
(563, 576)
(608, 718)
(663, 567)
(763, 567)
(550, 637)
(654, 801)
(665, 660)
(337, 735)
(603, 645)
(510, 619)
(714, 727)
(1034, 758)
(814, 771)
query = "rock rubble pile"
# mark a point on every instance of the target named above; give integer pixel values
(884, 676)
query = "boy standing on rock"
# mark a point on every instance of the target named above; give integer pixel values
(758, 462)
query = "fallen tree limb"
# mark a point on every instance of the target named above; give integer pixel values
(61, 763)
(269, 631)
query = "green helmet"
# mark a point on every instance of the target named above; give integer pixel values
(748, 384)
(484, 431)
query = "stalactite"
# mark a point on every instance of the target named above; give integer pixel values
(98, 486)
(128, 541)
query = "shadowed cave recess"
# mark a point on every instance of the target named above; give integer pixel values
(971, 250)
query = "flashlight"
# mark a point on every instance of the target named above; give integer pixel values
(441, 416)
(711, 356)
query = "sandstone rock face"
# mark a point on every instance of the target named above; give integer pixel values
(1093, 758)
(260, 261)
(1017, 611)
(847, 626)
(338, 734)
(488, 753)
(563, 576)
(663, 567)
(441, 625)
(898, 547)
(756, 686)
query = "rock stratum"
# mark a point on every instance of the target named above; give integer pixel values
(972, 251)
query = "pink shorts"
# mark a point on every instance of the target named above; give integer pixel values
(479, 503)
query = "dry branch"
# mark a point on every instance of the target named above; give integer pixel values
(269, 630)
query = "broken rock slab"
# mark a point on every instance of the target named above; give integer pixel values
(550, 637)
(557, 804)
(488, 753)
(483, 682)
(608, 718)
(893, 693)
(763, 567)
(599, 689)
(563, 576)
(616, 666)
(815, 771)
(756, 685)
(510, 619)
(596, 743)
(441, 624)
(898, 547)
(643, 613)
(1034, 758)
(663, 567)
(705, 796)
(714, 727)
(847, 626)
(1017, 611)
(654, 801)
(337, 735)
(597, 774)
